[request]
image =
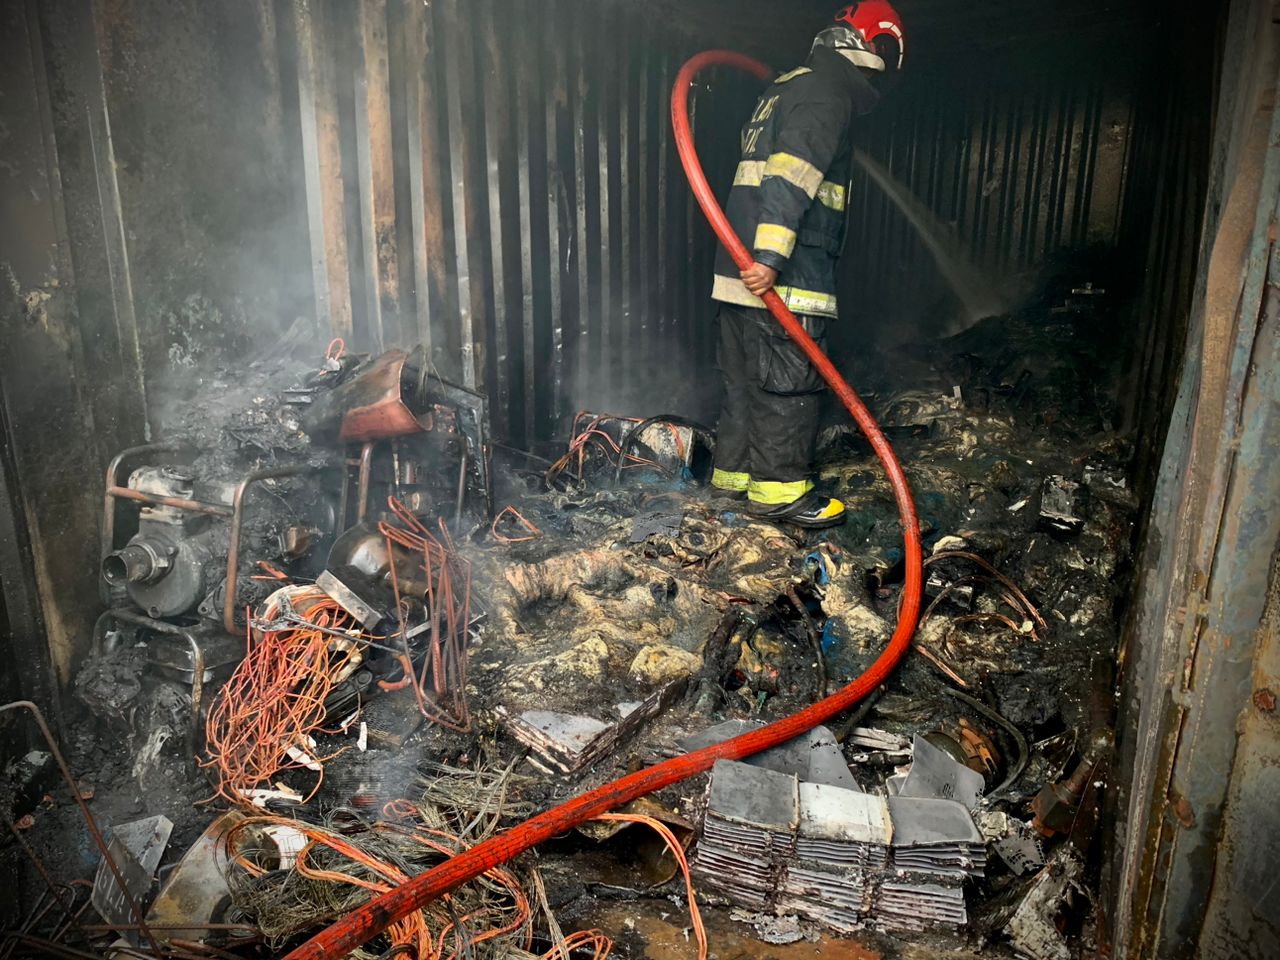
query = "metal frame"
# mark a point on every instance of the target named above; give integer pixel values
(170, 631)
(235, 512)
(1201, 829)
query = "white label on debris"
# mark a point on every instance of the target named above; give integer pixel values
(289, 841)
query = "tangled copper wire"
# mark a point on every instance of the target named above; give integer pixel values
(592, 436)
(262, 720)
(263, 717)
(375, 857)
(445, 596)
(517, 517)
(363, 864)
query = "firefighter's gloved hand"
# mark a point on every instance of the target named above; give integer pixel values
(759, 279)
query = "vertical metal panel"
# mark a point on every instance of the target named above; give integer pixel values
(605, 116)
(1201, 645)
(644, 184)
(375, 169)
(67, 69)
(559, 159)
(322, 170)
(452, 51)
(623, 177)
(492, 68)
(583, 238)
(525, 90)
(668, 187)
(419, 124)
(46, 563)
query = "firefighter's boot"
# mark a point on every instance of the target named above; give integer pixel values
(812, 511)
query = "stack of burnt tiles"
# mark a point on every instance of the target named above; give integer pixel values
(842, 847)
(936, 846)
(775, 843)
(749, 832)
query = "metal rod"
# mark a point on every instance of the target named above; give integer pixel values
(61, 931)
(44, 903)
(42, 870)
(462, 492)
(191, 506)
(237, 526)
(362, 485)
(52, 949)
(92, 824)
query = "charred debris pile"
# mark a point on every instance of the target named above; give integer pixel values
(346, 635)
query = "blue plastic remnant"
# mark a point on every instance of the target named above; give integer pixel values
(816, 562)
(829, 636)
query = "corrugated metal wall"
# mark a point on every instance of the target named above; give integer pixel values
(498, 178)
(1017, 158)
(504, 186)
(536, 198)
(1172, 150)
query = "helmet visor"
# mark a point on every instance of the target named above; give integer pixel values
(850, 44)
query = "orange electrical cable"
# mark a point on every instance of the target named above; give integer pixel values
(448, 617)
(603, 441)
(534, 532)
(415, 931)
(262, 719)
(677, 851)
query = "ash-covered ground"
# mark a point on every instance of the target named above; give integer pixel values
(657, 589)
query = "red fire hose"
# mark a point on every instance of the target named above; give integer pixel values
(368, 921)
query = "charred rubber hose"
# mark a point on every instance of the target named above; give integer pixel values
(372, 918)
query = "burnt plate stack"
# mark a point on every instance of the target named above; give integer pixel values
(841, 846)
(775, 843)
(935, 847)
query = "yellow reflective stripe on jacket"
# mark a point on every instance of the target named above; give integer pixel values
(776, 239)
(728, 480)
(750, 173)
(775, 494)
(809, 301)
(733, 290)
(832, 195)
(796, 171)
(797, 72)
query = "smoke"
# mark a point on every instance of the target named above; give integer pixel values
(979, 294)
(666, 368)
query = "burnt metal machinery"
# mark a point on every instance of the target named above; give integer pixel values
(193, 537)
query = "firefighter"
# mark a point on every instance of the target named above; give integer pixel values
(788, 204)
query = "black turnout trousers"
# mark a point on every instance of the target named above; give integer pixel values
(769, 421)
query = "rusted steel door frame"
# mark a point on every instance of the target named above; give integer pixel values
(1196, 873)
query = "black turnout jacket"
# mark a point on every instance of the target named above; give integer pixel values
(791, 190)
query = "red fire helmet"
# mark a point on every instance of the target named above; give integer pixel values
(878, 25)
